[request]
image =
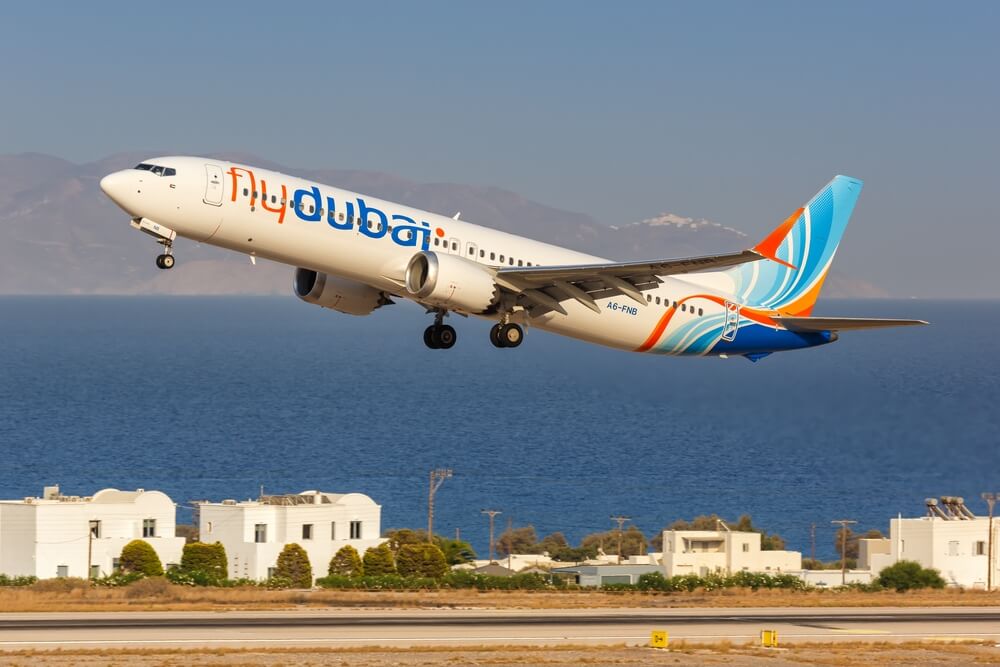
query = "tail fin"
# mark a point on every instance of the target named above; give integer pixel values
(800, 251)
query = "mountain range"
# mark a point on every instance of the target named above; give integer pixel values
(59, 234)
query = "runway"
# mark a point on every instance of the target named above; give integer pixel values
(351, 628)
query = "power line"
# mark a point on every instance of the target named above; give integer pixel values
(438, 475)
(990, 499)
(620, 519)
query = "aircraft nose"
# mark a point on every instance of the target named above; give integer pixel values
(113, 184)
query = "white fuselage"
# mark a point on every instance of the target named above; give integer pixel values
(220, 203)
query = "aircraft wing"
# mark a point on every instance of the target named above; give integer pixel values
(813, 324)
(543, 288)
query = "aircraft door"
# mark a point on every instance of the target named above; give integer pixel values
(470, 252)
(732, 321)
(213, 185)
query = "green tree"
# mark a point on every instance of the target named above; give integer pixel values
(378, 561)
(517, 541)
(293, 565)
(347, 563)
(552, 543)
(574, 554)
(398, 537)
(138, 556)
(455, 551)
(633, 541)
(421, 560)
(908, 575)
(209, 559)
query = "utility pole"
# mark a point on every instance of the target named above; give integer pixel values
(620, 519)
(492, 514)
(438, 475)
(843, 547)
(812, 544)
(990, 499)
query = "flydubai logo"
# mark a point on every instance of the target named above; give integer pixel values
(313, 206)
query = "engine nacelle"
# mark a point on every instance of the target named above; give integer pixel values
(340, 294)
(450, 282)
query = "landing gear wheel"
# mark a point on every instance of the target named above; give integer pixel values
(495, 335)
(511, 335)
(430, 337)
(446, 336)
(165, 261)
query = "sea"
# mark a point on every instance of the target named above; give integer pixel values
(222, 397)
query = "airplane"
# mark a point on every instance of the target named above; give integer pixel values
(354, 254)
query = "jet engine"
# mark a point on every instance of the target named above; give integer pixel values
(340, 294)
(450, 282)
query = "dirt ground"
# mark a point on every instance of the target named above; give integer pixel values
(167, 597)
(722, 654)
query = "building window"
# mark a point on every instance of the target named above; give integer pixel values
(333, 530)
(355, 530)
(95, 571)
(149, 527)
(62, 571)
(95, 529)
(271, 571)
(260, 533)
(980, 548)
(746, 548)
(115, 564)
(953, 548)
(210, 526)
(307, 531)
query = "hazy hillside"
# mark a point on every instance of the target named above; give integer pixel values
(59, 234)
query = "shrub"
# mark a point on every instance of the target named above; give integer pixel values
(379, 561)
(909, 575)
(118, 578)
(150, 587)
(59, 585)
(138, 556)
(347, 563)
(421, 560)
(208, 560)
(17, 580)
(293, 565)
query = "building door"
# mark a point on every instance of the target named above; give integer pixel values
(213, 185)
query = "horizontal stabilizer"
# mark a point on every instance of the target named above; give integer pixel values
(814, 324)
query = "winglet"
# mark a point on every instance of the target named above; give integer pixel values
(768, 248)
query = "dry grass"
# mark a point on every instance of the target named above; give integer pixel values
(167, 597)
(723, 653)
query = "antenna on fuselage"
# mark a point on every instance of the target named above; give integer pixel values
(455, 217)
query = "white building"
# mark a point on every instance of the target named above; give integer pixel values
(69, 536)
(950, 539)
(702, 552)
(255, 531)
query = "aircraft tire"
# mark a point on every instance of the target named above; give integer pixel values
(430, 337)
(165, 261)
(511, 335)
(445, 337)
(495, 335)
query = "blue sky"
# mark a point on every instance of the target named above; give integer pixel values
(737, 112)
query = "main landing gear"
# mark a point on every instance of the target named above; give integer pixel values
(440, 336)
(506, 335)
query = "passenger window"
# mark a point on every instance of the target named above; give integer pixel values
(657, 301)
(493, 256)
(520, 263)
(437, 241)
(675, 305)
(274, 199)
(454, 246)
(254, 194)
(700, 312)
(246, 192)
(649, 298)
(311, 209)
(341, 216)
(482, 253)
(472, 251)
(684, 307)
(501, 259)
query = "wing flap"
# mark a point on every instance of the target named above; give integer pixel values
(815, 324)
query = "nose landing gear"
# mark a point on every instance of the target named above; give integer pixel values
(440, 336)
(165, 261)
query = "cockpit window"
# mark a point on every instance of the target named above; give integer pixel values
(156, 169)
